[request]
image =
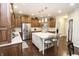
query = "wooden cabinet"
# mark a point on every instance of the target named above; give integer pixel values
(25, 19)
(12, 16)
(18, 22)
(5, 23)
(13, 21)
(35, 23)
(4, 52)
(52, 22)
(11, 50)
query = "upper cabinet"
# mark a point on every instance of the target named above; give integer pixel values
(26, 19)
(17, 20)
(5, 23)
(13, 20)
(35, 22)
(52, 22)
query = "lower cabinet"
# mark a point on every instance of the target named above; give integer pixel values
(12, 50)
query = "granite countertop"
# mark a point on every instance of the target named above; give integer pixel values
(15, 40)
(45, 35)
(38, 29)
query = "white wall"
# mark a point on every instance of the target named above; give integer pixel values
(61, 24)
(75, 16)
(64, 30)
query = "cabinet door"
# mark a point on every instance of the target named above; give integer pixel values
(12, 16)
(18, 22)
(35, 23)
(5, 23)
(32, 22)
(13, 20)
(25, 19)
(15, 50)
(12, 50)
(52, 22)
(4, 52)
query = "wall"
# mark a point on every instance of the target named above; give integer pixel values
(62, 24)
(75, 17)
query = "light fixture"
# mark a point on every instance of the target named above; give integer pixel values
(32, 14)
(59, 11)
(42, 20)
(39, 21)
(15, 6)
(45, 19)
(66, 16)
(72, 4)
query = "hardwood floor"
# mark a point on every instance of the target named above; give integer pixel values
(32, 50)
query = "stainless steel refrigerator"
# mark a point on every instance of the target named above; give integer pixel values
(26, 29)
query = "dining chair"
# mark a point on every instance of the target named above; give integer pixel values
(70, 48)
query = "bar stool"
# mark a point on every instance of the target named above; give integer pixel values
(48, 43)
(70, 48)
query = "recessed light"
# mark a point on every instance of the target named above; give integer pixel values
(15, 6)
(32, 14)
(59, 11)
(66, 16)
(72, 4)
(20, 12)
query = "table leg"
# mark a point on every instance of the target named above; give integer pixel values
(43, 46)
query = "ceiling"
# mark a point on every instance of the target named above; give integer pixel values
(44, 9)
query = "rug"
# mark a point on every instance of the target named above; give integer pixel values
(24, 45)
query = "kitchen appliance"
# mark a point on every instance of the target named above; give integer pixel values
(26, 29)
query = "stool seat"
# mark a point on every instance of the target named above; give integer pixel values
(48, 41)
(54, 39)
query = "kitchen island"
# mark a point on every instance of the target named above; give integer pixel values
(38, 39)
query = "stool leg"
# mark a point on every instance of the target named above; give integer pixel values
(57, 48)
(69, 50)
(73, 49)
(47, 48)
